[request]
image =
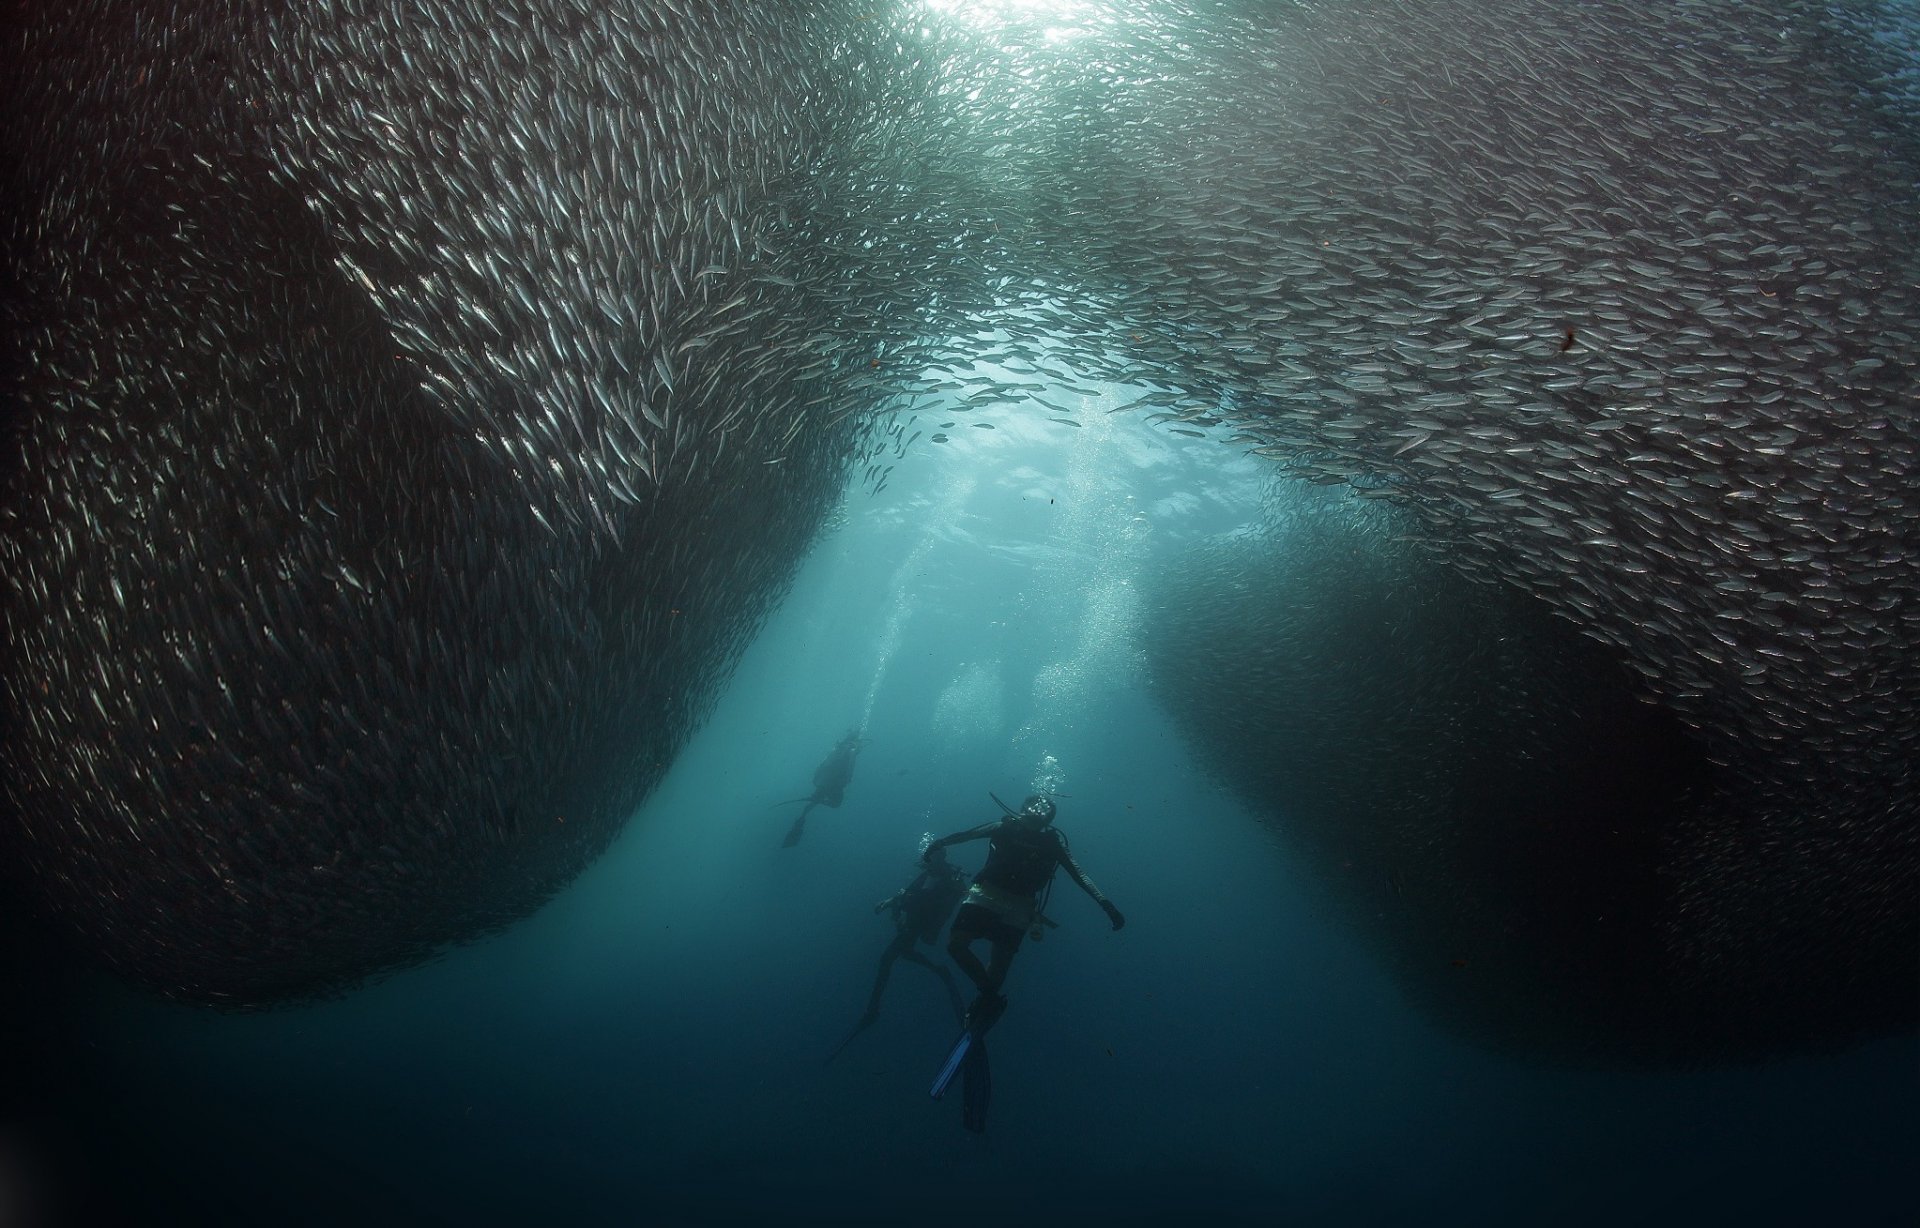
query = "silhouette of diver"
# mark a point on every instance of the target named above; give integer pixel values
(830, 781)
(920, 911)
(1007, 899)
(1005, 905)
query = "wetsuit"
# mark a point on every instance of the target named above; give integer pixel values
(1005, 895)
(923, 906)
(919, 911)
(1004, 900)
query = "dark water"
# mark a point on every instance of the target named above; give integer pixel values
(648, 1049)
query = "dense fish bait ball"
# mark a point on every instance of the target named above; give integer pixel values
(414, 406)
(410, 426)
(1622, 303)
(1483, 795)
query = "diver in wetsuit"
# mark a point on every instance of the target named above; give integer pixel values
(1003, 905)
(830, 781)
(919, 911)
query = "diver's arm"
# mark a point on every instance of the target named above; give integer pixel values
(961, 837)
(1086, 884)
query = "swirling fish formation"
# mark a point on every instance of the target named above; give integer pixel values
(416, 405)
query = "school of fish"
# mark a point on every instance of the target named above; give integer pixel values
(412, 408)
(1634, 334)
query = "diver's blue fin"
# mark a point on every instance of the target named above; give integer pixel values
(985, 1012)
(954, 1059)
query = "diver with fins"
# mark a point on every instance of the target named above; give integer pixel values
(1005, 905)
(830, 781)
(920, 911)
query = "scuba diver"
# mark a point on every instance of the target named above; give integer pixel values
(1004, 906)
(920, 909)
(830, 781)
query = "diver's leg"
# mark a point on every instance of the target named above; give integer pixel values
(957, 943)
(923, 961)
(1001, 957)
(946, 978)
(902, 944)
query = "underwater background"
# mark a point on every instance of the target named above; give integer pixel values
(1427, 486)
(650, 1047)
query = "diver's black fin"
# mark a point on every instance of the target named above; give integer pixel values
(976, 1088)
(857, 1029)
(798, 829)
